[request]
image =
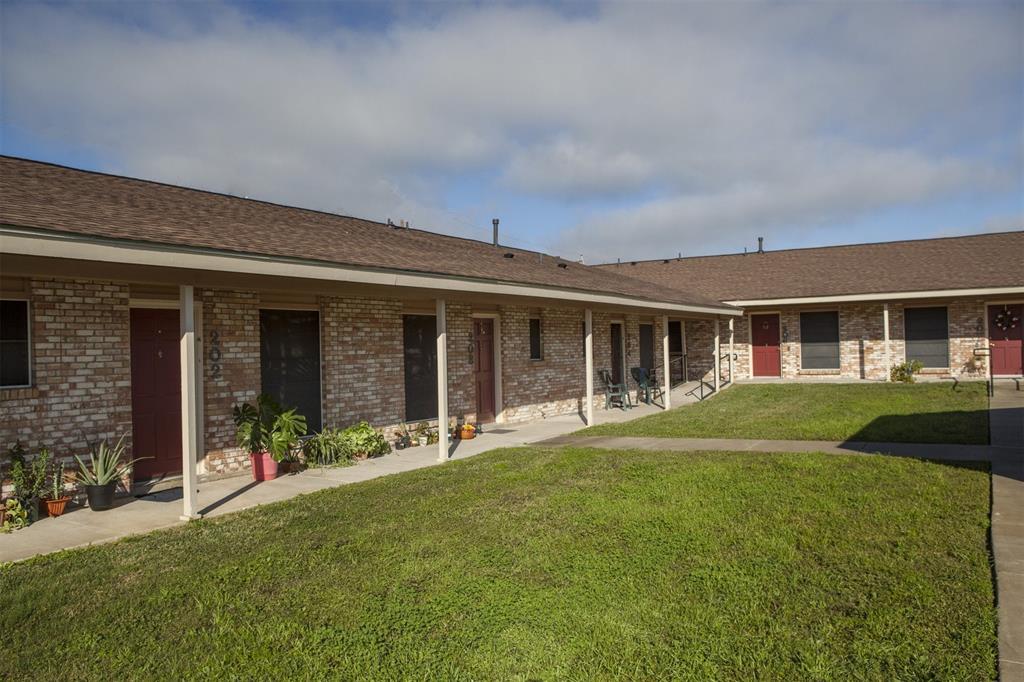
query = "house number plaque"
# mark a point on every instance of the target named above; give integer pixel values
(214, 354)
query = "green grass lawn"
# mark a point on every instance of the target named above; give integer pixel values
(917, 413)
(541, 564)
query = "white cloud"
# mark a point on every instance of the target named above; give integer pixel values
(737, 115)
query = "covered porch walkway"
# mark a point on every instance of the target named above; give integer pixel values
(133, 515)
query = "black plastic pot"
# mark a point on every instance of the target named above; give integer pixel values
(101, 497)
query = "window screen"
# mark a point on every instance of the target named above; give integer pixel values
(290, 361)
(420, 351)
(647, 346)
(819, 340)
(536, 345)
(927, 334)
(14, 352)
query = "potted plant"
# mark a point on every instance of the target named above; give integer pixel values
(422, 433)
(57, 502)
(403, 439)
(28, 478)
(105, 469)
(468, 432)
(14, 516)
(268, 433)
(327, 448)
(364, 441)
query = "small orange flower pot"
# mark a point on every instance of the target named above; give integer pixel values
(467, 434)
(56, 507)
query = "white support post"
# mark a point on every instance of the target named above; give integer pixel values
(588, 325)
(885, 340)
(666, 361)
(187, 318)
(718, 352)
(442, 382)
(732, 336)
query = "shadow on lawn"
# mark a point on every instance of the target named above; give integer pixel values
(943, 437)
(960, 427)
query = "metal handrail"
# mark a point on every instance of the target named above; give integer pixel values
(701, 385)
(679, 360)
(986, 352)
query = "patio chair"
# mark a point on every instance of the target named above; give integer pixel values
(647, 384)
(614, 392)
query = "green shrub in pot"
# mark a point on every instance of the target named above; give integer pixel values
(905, 371)
(14, 516)
(268, 433)
(28, 478)
(365, 441)
(330, 447)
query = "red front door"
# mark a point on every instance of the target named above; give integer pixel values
(156, 392)
(764, 342)
(1006, 339)
(483, 369)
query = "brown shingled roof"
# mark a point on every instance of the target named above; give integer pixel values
(45, 196)
(977, 261)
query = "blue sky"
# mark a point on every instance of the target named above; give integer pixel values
(608, 130)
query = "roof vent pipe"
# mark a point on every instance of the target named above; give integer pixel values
(760, 244)
(495, 224)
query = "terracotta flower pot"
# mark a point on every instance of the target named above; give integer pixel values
(264, 468)
(56, 507)
(101, 497)
(289, 466)
(468, 434)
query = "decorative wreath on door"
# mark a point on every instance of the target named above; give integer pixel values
(1006, 320)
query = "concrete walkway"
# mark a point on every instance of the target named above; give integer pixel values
(80, 526)
(963, 453)
(1006, 422)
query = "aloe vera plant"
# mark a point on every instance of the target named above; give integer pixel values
(105, 464)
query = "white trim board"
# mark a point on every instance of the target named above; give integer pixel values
(893, 296)
(31, 243)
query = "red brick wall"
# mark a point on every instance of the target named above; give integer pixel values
(81, 369)
(231, 373)
(862, 345)
(361, 355)
(700, 355)
(535, 389)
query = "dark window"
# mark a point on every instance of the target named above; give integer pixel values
(819, 340)
(420, 349)
(927, 334)
(290, 361)
(14, 352)
(617, 353)
(647, 346)
(675, 336)
(536, 344)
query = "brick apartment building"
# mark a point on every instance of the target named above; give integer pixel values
(133, 307)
